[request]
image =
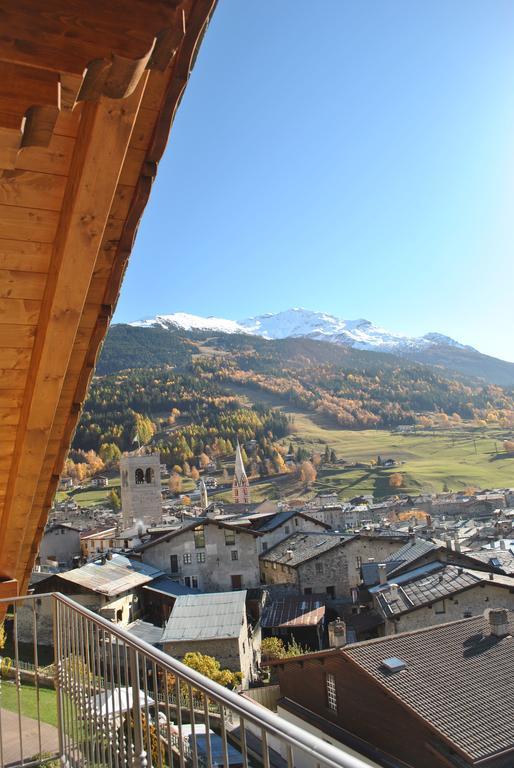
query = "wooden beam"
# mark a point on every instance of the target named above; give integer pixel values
(104, 135)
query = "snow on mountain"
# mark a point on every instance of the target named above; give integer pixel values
(360, 334)
(191, 323)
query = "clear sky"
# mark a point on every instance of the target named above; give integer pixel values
(349, 156)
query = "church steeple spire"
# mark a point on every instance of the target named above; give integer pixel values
(240, 486)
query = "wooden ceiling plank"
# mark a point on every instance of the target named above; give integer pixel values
(16, 337)
(15, 284)
(28, 189)
(14, 360)
(55, 158)
(29, 224)
(19, 311)
(102, 142)
(24, 256)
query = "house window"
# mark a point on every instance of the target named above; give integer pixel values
(236, 581)
(139, 476)
(287, 530)
(200, 557)
(319, 567)
(234, 554)
(330, 683)
(149, 475)
(191, 581)
(307, 591)
(296, 521)
(230, 538)
(331, 592)
(440, 607)
(199, 534)
(274, 566)
(174, 563)
(187, 558)
(359, 561)
(264, 546)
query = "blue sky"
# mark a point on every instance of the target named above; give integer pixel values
(351, 156)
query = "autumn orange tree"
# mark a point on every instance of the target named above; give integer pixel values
(396, 480)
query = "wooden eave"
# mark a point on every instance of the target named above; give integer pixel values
(88, 92)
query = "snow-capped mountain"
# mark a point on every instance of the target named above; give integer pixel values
(359, 334)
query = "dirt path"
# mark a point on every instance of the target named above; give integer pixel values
(30, 737)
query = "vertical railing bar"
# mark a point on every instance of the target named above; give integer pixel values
(141, 759)
(95, 697)
(207, 729)
(157, 713)
(66, 681)
(109, 716)
(242, 739)
(194, 745)
(147, 713)
(128, 686)
(121, 735)
(181, 744)
(18, 679)
(265, 749)
(113, 695)
(36, 674)
(168, 726)
(86, 688)
(103, 692)
(290, 756)
(75, 673)
(58, 655)
(223, 729)
(1, 727)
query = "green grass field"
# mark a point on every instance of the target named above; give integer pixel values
(28, 698)
(430, 460)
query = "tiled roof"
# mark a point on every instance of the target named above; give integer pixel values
(457, 677)
(300, 547)
(428, 584)
(502, 559)
(111, 577)
(302, 612)
(212, 616)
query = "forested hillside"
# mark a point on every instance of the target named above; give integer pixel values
(197, 399)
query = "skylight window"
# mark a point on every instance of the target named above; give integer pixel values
(393, 664)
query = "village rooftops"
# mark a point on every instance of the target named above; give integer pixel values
(284, 516)
(164, 585)
(213, 616)
(111, 577)
(300, 547)
(498, 559)
(300, 612)
(429, 583)
(190, 526)
(409, 553)
(457, 677)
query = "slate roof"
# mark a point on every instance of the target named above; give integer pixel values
(211, 616)
(143, 630)
(166, 586)
(189, 527)
(302, 612)
(409, 553)
(304, 546)
(502, 559)
(428, 584)
(284, 516)
(111, 577)
(458, 678)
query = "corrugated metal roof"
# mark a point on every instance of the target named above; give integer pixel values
(143, 630)
(112, 577)
(166, 586)
(211, 616)
(302, 612)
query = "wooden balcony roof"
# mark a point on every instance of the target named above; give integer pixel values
(88, 91)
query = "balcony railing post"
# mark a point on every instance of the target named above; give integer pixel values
(139, 760)
(56, 616)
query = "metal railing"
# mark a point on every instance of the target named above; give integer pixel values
(110, 700)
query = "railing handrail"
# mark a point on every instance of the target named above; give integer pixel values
(249, 711)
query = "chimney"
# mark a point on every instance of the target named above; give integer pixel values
(502, 544)
(337, 633)
(394, 591)
(499, 622)
(289, 554)
(449, 544)
(491, 577)
(382, 573)
(456, 545)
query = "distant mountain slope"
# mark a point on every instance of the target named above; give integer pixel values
(432, 348)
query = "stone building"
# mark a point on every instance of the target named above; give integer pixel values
(214, 625)
(141, 499)
(326, 562)
(207, 554)
(437, 593)
(59, 545)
